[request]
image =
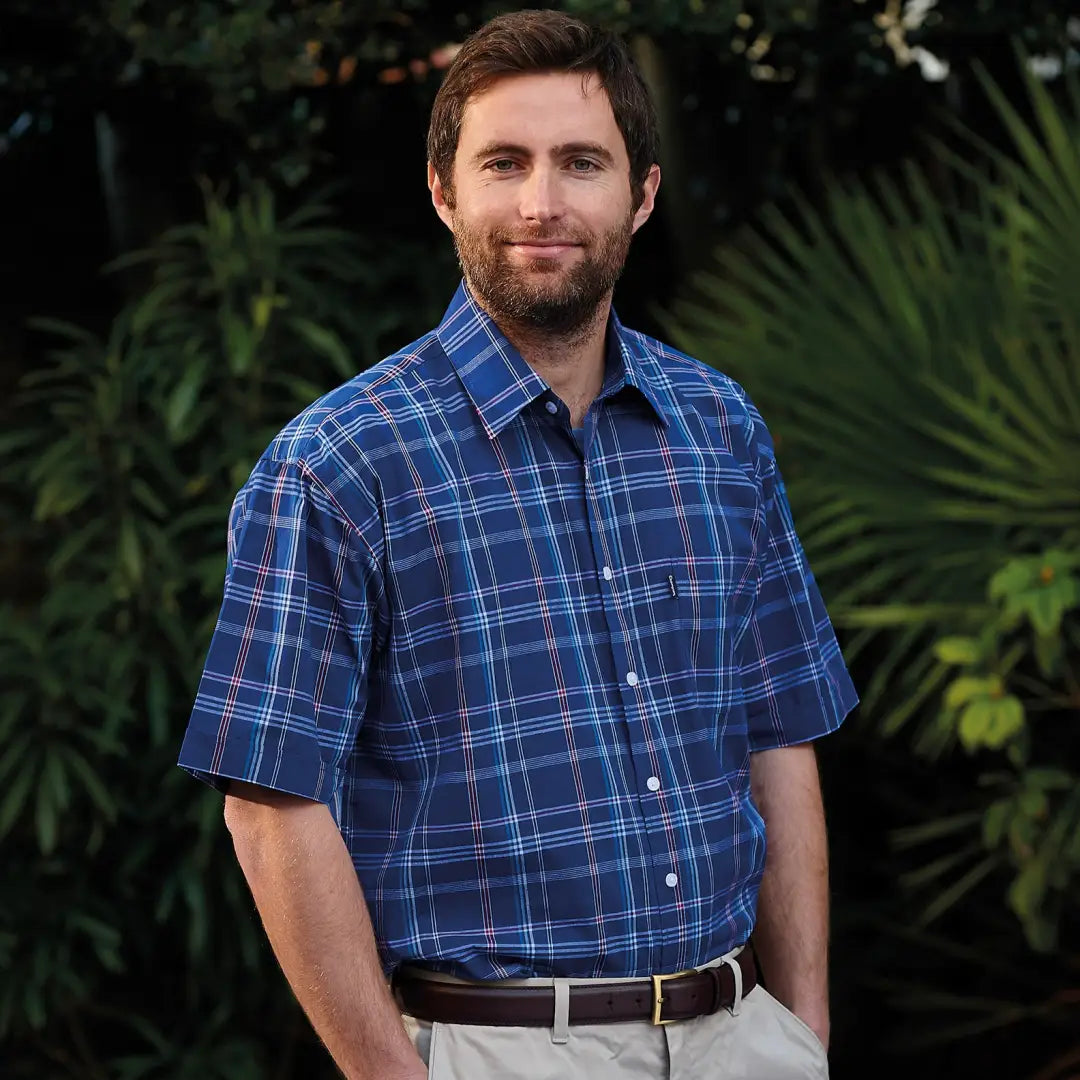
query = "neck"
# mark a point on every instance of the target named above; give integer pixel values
(571, 363)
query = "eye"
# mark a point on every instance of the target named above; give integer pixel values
(583, 165)
(497, 166)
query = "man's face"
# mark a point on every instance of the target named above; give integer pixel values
(541, 206)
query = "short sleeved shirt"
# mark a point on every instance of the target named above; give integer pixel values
(525, 670)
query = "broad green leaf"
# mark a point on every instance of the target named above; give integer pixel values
(61, 495)
(1028, 889)
(958, 650)
(987, 722)
(1015, 577)
(239, 343)
(1044, 605)
(971, 687)
(183, 398)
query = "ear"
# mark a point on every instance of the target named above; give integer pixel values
(651, 186)
(438, 197)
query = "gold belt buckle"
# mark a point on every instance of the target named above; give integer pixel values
(658, 997)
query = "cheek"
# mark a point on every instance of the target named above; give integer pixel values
(603, 205)
(482, 206)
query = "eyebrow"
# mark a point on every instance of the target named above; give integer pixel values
(500, 149)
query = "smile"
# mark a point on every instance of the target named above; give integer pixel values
(543, 249)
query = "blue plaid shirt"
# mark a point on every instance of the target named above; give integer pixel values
(525, 675)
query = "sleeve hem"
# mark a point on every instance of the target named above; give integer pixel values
(219, 781)
(316, 781)
(803, 713)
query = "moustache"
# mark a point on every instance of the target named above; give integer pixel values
(545, 236)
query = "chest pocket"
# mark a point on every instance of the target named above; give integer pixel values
(707, 586)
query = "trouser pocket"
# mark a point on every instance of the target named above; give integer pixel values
(807, 1056)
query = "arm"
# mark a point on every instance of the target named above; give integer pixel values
(791, 936)
(315, 916)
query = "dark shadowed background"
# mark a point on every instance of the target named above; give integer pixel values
(211, 211)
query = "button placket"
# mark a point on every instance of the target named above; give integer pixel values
(634, 694)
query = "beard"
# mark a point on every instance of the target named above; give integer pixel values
(542, 294)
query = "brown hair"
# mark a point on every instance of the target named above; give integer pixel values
(540, 41)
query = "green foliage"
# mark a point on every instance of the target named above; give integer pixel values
(262, 74)
(682, 16)
(128, 945)
(128, 451)
(860, 26)
(919, 362)
(272, 74)
(1039, 589)
(1030, 633)
(259, 63)
(915, 348)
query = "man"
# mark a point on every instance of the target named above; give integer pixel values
(520, 660)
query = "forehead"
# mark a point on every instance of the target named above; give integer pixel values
(541, 110)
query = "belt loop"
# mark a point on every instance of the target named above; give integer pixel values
(560, 1030)
(736, 971)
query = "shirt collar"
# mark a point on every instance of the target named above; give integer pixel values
(635, 365)
(501, 383)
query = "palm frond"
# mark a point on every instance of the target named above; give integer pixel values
(917, 345)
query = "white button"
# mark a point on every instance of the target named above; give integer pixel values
(608, 573)
(671, 880)
(653, 783)
(552, 407)
(631, 678)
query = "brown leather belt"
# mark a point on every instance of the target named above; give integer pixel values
(662, 999)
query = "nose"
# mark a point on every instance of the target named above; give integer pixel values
(541, 200)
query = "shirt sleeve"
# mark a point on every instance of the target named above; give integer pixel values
(284, 688)
(794, 682)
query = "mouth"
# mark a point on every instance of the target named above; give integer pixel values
(542, 249)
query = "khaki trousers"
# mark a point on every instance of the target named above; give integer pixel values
(757, 1040)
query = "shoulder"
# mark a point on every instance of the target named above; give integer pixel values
(698, 389)
(351, 424)
(328, 455)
